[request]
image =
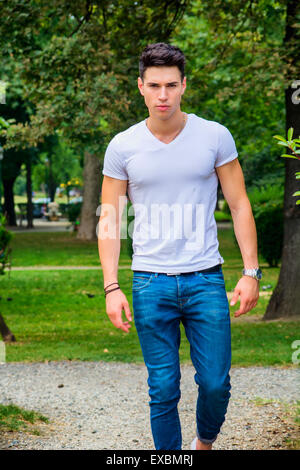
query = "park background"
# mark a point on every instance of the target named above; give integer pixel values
(68, 85)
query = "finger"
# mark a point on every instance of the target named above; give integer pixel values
(234, 298)
(252, 305)
(125, 328)
(127, 311)
(239, 313)
(242, 309)
(116, 319)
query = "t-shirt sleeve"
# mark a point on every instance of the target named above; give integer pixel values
(226, 147)
(114, 162)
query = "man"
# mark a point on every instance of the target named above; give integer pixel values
(170, 164)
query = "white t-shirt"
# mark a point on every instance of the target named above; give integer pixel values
(173, 190)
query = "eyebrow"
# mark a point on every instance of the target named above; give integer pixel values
(155, 83)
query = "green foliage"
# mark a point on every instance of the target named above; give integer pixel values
(73, 212)
(265, 194)
(71, 60)
(294, 146)
(226, 208)
(221, 216)
(229, 79)
(4, 124)
(20, 183)
(267, 207)
(130, 225)
(269, 225)
(77, 62)
(58, 160)
(5, 238)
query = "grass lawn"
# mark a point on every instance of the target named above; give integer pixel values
(63, 248)
(39, 195)
(54, 318)
(56, 249)
(14, 418)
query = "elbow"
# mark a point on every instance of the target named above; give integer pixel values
(243, 206)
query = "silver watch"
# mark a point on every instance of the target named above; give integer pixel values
(256, 273)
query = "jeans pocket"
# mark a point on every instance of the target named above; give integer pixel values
(141, 281)
(213, 277)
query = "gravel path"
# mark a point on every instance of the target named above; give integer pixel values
(97, 405)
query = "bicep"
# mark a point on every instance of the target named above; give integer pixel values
(233, 184)
(112, 188)
(113, 193)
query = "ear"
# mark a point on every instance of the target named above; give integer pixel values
(141, 86)
(183, 85)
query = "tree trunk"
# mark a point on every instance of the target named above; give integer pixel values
(91, 197)
(285, 301)
(6, 334)
(29, 209)
(52, 182)
(9, 205)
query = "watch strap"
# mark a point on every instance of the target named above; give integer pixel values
(252, 272)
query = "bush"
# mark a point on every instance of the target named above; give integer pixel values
(225, 207)
(126, 243)
(267, 193)
(269, 226)
(73, 211)
(267, 207)
(63, 209)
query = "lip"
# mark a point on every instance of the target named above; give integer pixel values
(162, 107)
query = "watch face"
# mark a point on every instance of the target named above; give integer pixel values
(259, 274)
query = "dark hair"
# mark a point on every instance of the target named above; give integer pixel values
(161, 54)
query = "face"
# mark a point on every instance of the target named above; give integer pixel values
(162, 90)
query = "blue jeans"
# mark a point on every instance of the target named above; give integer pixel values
(199, 301)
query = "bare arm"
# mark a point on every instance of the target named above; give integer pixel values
(112, 204)
(233, 187)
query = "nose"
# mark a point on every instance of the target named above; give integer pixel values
(163, 93)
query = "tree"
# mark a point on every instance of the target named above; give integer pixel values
(13, 109)
(285, 300)
(5, 238)
(73, 60)
(57, 165)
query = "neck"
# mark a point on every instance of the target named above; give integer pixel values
(165, 127)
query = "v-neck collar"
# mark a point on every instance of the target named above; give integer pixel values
(178, 136)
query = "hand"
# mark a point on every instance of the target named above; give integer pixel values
(248, 290)
(116, 302)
